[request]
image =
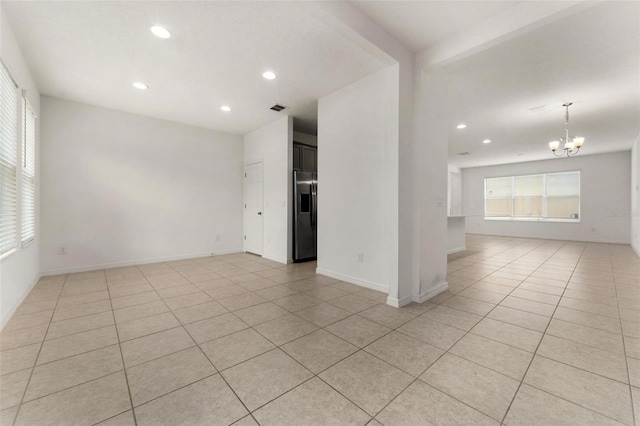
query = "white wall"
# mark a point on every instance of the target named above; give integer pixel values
(20, 270)
(305, 138)
(119, 188)
(432, 118)
(353, 126)
(273, 145)
(454, 191)
(604, 204)
(635, 196)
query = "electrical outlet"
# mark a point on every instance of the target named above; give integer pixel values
(360, 257)
(62, 250)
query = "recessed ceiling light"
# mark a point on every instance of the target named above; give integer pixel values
(225, 108)
(486, 141)
(139, 85)
(160, 31)
(269, 75)
(461, 126)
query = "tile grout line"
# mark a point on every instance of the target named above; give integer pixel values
(24, 393)
(124, 369)
(485, 316)
(458, 340)
(545, 333)
(359, 349)
(218, 372)
(624, 343)
(540, 342)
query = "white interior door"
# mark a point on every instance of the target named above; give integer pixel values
(253, 208)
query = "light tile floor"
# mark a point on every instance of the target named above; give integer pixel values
(530, 332)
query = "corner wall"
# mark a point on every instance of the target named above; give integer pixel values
(119, 188)
(605, 188)
(354, 132)
(20, 270)
(273, 145)
(432, 118)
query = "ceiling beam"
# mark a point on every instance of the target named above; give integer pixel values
(518, 19)
(350, 22)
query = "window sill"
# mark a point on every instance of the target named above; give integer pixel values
(532, 219)
(7, 254)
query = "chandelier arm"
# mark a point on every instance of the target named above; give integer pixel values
(569, 149)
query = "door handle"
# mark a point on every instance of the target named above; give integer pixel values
(312, 205)
(260, 213)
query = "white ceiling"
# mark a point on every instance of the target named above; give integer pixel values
(421, 24)
(591, 58)
(93, 51)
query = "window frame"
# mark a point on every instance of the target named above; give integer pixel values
(545, 197)
(17, 146)
(13, 244)
(28, 172)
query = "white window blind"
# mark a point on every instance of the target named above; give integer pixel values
(28, 222)
(549, 196)
(8, 161)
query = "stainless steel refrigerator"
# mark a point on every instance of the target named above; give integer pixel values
(305, 212)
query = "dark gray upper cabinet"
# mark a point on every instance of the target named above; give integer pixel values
(297, 156)
(305, 158)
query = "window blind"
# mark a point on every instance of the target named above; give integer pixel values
(543, 196)
(8, 161)
(28, 190)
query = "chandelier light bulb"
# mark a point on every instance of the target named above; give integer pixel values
(554, 145)
(578, 141)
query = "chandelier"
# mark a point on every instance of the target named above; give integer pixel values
(571, 144)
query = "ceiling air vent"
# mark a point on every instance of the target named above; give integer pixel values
(277, 107)
(538, 108)
(463, 153)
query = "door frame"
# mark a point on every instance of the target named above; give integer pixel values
(244, 212)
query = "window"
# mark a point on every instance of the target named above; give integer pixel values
(8, 161)
(17, 160)
(550, 196)
(28, 173)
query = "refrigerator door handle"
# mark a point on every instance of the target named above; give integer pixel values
(312, 206)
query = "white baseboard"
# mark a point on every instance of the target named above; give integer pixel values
(398, 303)
(136, 262)
(6, 316)
(554, 238)
(353, 280)
(423, 297)
(456, 250)
(279, 260)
